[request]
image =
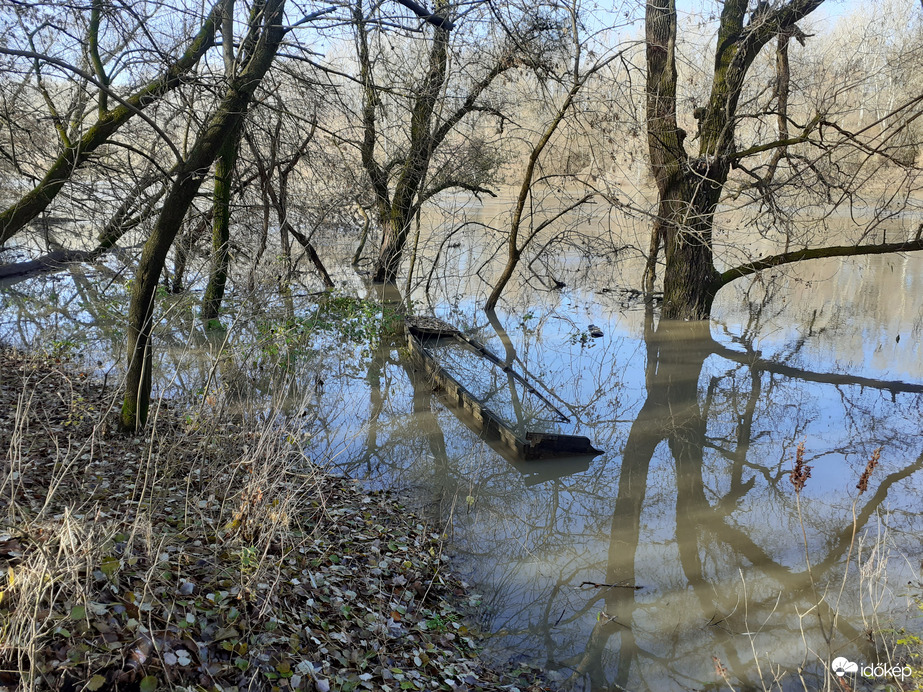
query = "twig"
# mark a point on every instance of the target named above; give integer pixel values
(597, 585)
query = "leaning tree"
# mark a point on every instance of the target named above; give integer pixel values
(42, 47)
(264, 35)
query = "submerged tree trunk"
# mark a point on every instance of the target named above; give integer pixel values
(686, 213)
(311, 252)
(366, 223)
(688, 189)
(394, 238)
(398, 217)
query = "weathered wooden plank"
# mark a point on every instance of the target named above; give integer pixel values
(429, 327)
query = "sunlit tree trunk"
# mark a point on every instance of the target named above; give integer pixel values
(690, 187)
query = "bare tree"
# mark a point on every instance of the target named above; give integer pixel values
(264, 36)
(524, 228)
(78, 139)
(411, 157)
(691, 186)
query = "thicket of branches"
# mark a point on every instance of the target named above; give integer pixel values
(354, 121)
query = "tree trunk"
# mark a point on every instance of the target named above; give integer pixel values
(225, 124)
(221, 230)
(396, 212)
(184, 250)
(511, 261)
(311, 252)
(394, 238)
(687, 189)
(687, 208)
(690, 187)
(366, 223)
(141, 309)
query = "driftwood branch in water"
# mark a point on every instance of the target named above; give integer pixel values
(52, 262)
(597, 585)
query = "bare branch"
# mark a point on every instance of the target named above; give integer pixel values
(730, 275)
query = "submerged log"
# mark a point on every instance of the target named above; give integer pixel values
(52, 262)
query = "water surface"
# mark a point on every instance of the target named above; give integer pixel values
(682, 547)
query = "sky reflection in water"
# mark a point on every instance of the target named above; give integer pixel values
(691, 500)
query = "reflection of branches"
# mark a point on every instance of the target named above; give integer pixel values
(750, 359)
(671, 413)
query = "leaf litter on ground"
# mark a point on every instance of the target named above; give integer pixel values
(210, 555)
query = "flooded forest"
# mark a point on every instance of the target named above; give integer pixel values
(461, 345)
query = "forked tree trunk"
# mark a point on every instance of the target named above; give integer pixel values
(396, 212)
(690, 187)
(688, 196)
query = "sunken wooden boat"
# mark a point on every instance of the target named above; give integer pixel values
(423, 332)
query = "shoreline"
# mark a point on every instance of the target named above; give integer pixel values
(212, 554)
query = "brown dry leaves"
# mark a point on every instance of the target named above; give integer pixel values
(208, 555)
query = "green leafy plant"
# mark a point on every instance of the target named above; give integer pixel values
(347, 319)
(60, 348)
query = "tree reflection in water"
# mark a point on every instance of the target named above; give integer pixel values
(732, 580)
(706, 523)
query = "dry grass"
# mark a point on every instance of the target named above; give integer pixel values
(207, 554)
(868, 559)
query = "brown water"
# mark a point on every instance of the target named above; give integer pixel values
(683, 543)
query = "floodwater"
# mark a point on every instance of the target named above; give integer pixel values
(681, 555)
